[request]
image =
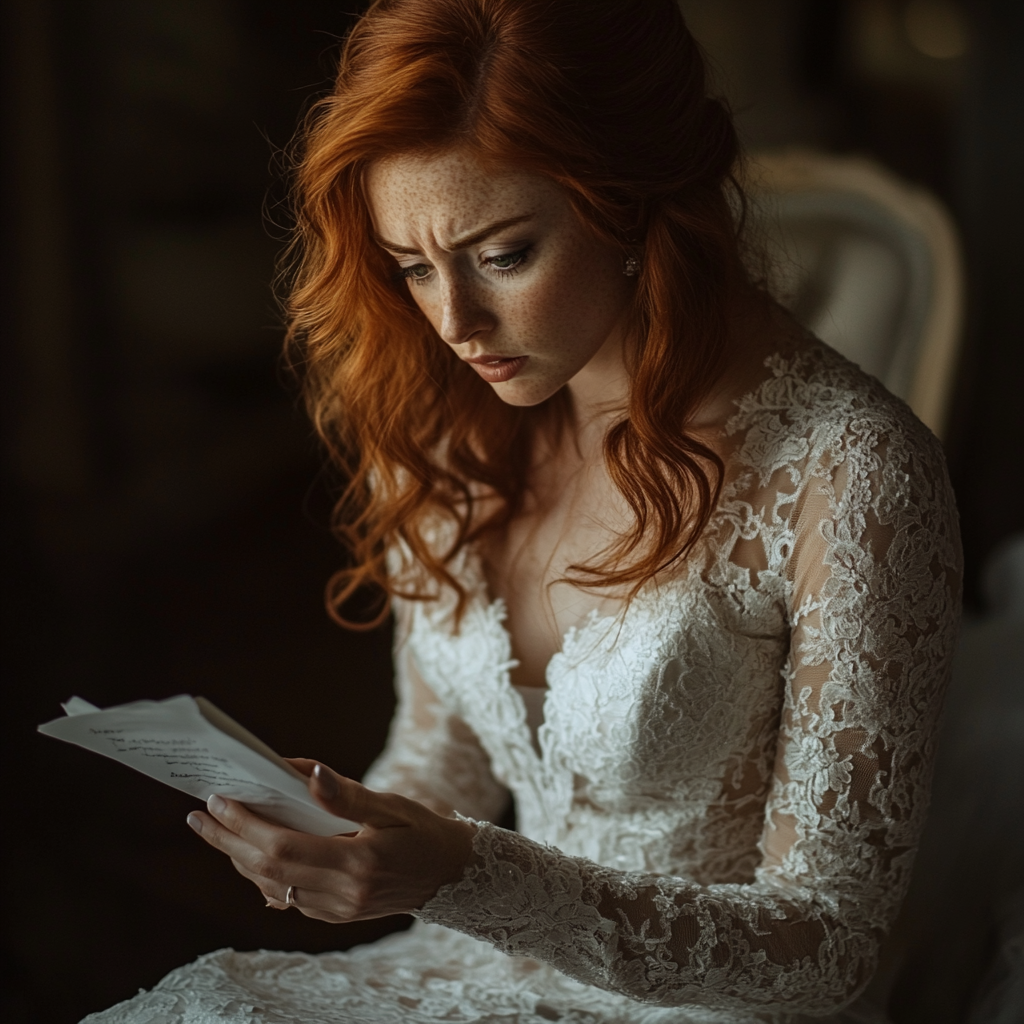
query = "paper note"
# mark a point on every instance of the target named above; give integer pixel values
(188, 743)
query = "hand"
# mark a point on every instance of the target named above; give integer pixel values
(399, 859)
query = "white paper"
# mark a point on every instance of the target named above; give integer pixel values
(77, 706)
(193, 746)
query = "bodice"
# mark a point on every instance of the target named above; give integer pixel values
(718, 822)
(749, 742)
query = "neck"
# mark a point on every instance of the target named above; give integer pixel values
(599, 395)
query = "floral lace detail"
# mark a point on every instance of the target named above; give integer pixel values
(423, 976)
(718, 820)
(735, 775)
(431, 755)
(625, 932)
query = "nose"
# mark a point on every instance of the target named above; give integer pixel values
(464, 312)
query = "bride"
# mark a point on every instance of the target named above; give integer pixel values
(673, 575)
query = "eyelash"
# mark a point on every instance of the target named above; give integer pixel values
(520, 256)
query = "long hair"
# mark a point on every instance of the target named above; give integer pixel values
(607, 98)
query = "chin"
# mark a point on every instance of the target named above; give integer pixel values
(525, 395)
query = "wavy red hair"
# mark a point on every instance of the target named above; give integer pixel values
(607, 98)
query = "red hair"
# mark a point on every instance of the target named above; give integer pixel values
(608, 99)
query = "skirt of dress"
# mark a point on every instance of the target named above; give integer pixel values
(427, 974)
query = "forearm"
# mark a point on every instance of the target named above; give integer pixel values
(657, 939)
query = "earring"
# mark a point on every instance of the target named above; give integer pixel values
(630, 266)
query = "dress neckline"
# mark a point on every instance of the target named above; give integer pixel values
(779, 364)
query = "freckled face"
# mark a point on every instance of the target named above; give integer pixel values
(503, 269)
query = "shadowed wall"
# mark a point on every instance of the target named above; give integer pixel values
(165, 515)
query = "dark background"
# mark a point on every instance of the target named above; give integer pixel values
(165, 512)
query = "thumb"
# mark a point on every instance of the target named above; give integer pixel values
(350, 799)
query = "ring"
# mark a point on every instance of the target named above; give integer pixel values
(289, 896)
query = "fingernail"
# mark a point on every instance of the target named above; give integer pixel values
(328, 784)
(195, 823)
(216, 804)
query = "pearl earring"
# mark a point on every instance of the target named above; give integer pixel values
(630, 266)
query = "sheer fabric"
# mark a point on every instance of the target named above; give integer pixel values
(719, 816)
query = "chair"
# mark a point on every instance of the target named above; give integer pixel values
(872, 266)
(867, 262)
(956, 953)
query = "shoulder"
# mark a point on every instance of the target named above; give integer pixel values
(815, 411)
(840, 458)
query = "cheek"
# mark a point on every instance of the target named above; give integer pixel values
(577, 303)
(422, 299)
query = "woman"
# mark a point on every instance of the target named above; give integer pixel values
(678, 577)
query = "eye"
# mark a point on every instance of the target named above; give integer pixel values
(417, 272)
(509, 262)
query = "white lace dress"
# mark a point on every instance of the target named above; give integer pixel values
(718, 815)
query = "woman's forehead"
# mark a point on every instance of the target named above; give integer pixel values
(452, 195)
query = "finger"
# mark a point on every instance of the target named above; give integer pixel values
(323, 915)
(318, 913)
(275, 841)
(311, 902)
(273, 860)
(349, 799)
(272, 877)
(312, 889)
(274, 857)
(219, 836)
(302, 764)
(235, 816)
(227, 842)
(276, 892)
(317, 905)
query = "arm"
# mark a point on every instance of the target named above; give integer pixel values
(875, 586)
(431, 755)
(409, 844)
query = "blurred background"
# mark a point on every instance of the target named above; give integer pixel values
(164, 506)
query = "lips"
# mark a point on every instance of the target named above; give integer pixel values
(497, 369)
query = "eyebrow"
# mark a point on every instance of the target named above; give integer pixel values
(460, 243)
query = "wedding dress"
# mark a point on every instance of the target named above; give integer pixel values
(718, 814)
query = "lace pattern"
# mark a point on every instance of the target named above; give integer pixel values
(758, 763)
(719, 816)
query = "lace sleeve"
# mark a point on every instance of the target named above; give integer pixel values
(431, 755)
(873, 561)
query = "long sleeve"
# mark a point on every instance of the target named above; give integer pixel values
(871, 554)
(431, 755)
